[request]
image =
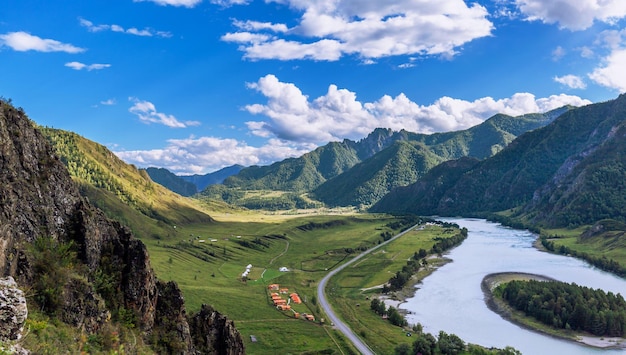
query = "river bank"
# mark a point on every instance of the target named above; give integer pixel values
(396, 298)
(491, 281)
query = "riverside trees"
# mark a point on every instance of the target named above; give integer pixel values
(568, 306)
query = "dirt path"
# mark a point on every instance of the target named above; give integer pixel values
(281, 254)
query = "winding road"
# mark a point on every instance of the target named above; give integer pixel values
(323, 301)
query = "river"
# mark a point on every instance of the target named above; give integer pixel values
(451, 298)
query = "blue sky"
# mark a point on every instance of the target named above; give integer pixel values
(197, 85)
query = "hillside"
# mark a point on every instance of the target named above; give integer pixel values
(568, 173)
(123, 191)
(90, 285)
(400, 164)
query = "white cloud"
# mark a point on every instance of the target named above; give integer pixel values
(147, 113)
(613, 73)
(88, 67)
(558, 53)
(146, 32)
(571, 81)
(328, 30)
(574, 15)
(257, 26)
(22, 42)
(586, 52)
(228, 3)
(292, 116)
(184, 3)
(109, 102)
(205, 154)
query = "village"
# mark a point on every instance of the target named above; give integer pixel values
(285, 301)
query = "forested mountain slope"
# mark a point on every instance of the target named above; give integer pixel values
(570, 172)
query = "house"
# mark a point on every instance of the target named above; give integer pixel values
(295, 298)
(283, 307)
(284, 291)
(280, 302)
(274, 287)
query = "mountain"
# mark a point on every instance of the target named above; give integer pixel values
(568, 173)
(216, 177)
(126, 193)
(82, 269)
(172, 181)
(365, 183)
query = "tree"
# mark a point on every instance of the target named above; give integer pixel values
(403, 349)
(450, 344)
(425, 344)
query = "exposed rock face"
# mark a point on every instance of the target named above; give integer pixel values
(213, 333)
(13, 310)
(38, 199)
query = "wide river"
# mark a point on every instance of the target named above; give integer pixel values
(451, 299)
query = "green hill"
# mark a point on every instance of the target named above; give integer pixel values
(367, 182)
(124, 192)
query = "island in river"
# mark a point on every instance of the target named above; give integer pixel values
(491, 281)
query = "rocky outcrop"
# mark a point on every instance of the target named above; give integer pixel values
(13, 310)
(110, 269)
(213, 333)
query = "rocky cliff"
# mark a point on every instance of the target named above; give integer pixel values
(84, 269)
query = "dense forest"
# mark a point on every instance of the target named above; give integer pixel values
(568, 306)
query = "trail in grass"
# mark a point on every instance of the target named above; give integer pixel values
(281, 254)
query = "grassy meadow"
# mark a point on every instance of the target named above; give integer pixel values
(207, 261)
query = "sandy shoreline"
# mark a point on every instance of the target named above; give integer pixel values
(491, 281)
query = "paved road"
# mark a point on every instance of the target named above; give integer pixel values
(323, 301)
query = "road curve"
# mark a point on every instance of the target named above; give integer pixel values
(323, 301)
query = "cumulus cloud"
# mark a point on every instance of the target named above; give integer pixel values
(206, 154)
(23, 41)
(184, 3)
(146, 32)
(612, 73)
(571, 81)
(293, 116)
(88, 67)
(574, 15)
(328, 30)
(147, 113)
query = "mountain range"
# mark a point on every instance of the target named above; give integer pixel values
(571, 172)
(188, 185)
(350, 173)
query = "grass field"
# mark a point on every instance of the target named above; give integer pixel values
(207, 261)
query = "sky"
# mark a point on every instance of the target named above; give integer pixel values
(197, 85)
